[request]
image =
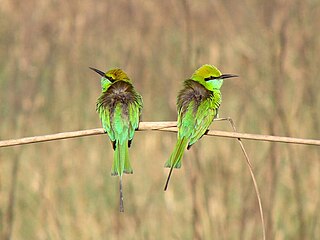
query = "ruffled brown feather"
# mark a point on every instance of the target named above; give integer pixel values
(119, 92)
(192, 91)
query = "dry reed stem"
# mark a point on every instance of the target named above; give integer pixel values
(251, 173)
(159, 126)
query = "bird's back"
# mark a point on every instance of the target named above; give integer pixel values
(197, 107)
(193, 94)
(120, 108)
(120, 92)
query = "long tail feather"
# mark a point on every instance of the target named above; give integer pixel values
(121, 164)
(175, 159)
(168, 179)
(121, 206)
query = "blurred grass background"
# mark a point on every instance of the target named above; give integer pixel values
(63, 189)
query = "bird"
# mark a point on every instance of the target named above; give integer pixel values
(119, 107)
(197, 104)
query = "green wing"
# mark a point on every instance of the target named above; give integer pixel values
(206, 112)
(203, 119)
(134, 109)
(104, 115)
(186, 121)
(195, 122)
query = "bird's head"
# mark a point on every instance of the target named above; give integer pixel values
(111, 76)
(210, 77)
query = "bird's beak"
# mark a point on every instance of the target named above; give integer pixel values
(224, 76)
(98, 71)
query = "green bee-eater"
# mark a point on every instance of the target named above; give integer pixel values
(119, 107)
(197, 104)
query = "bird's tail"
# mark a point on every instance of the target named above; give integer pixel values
(121, 163)
(175, 159)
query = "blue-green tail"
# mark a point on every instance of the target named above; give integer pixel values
(176, 156)
(121, 163)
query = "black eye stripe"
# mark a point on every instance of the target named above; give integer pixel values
(211, 78)
(110, 79)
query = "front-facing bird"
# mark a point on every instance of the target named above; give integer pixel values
(197, 104)
(119, 107)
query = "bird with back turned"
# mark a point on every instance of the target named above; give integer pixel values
(119, 107)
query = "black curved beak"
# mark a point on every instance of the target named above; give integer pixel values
(224, 76)
(98, 71)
